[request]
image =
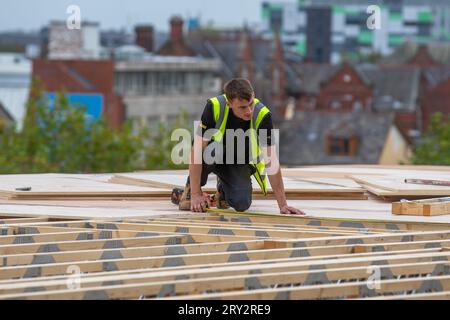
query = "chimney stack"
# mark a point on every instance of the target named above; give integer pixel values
(176, 29)
(144, 37)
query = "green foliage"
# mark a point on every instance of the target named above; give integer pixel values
(159, 150)
(434, 149)
(61, 139)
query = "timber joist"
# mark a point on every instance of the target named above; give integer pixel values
(222, 256)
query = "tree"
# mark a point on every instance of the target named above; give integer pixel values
(159, 149)
(434, 148)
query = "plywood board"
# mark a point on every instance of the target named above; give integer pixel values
(395, 186)
(292, 185)
(65, 186)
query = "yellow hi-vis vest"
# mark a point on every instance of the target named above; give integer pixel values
(221, 111)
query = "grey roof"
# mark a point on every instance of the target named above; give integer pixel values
(307, 132)
(312, 75)
(229, 52)
(440, 52)
(395, 87)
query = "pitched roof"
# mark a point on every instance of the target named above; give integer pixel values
(439, 52)
(176, 48)
(228, 50)
(83, 76)
(75, 75)
(395, 87)
(313, 75)
(308, 131)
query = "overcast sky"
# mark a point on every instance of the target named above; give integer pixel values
(33, 14)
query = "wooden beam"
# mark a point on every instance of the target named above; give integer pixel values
(133, 286)
(207, 261)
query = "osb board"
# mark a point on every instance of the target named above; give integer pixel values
(395, 186)
(53, 185)
(344, 171)
(351, 210)
(292, 185)
(68, 212)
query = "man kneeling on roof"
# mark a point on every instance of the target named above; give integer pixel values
(235, 114)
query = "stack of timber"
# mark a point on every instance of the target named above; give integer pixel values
(221, 256)
(426, 207)
(295, 187)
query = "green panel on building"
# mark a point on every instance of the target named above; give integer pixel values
(301, 47)
(339, 9)
(365, 37)
(276, 7)
(395, 40)
(424, 38)
(395, 16)
(425, 16)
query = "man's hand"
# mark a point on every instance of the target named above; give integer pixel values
(200, 202)
(289, 210)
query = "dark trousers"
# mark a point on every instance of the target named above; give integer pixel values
(235, 180)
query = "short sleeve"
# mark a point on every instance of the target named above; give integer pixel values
(207, 119)
(266, 124)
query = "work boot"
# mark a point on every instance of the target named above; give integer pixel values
(185, 201)
(220, 196)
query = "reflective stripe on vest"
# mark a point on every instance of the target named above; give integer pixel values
(221, 111)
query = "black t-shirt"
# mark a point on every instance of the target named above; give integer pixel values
(234, 123)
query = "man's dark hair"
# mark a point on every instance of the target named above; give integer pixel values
(238, 88)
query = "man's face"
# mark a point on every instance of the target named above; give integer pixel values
(242, 109)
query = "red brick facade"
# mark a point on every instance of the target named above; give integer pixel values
(436, 99)
(345, 91)
(176, 46)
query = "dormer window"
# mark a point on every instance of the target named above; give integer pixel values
(342, 146)
(341, 141)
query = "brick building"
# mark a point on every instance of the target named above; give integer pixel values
(85, 81)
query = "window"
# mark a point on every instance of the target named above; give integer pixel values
(335, 105)
(357, 105)
(341, 146)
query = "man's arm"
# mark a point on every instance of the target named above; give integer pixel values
(198, 201)
(276, 181)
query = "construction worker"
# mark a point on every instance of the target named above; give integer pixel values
(236, 109)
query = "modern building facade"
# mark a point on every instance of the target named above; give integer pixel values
(158, 88)
(326, 30)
